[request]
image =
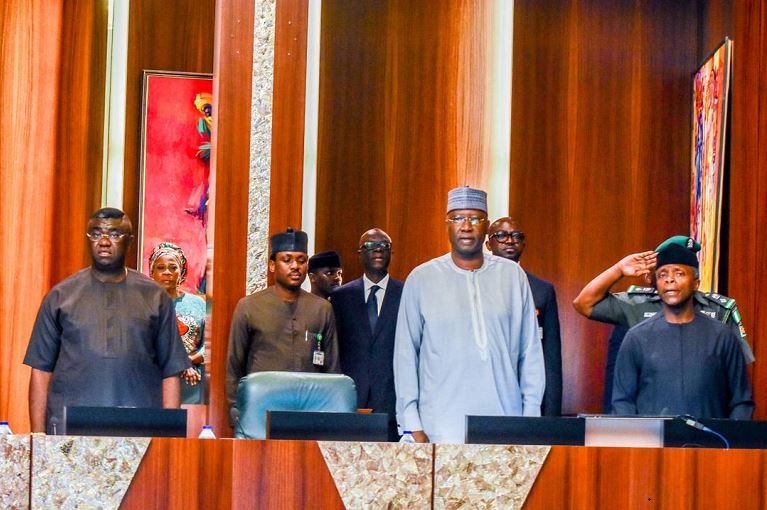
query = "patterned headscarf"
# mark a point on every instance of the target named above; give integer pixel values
(169, 250)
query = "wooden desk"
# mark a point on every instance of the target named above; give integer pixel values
(243, 474)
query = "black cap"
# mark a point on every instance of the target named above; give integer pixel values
(290, 240)
(675, 254)
(324, 259)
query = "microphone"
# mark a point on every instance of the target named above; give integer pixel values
(693, 422)
(234, 414)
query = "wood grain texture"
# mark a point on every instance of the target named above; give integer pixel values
(183, 473)
(52, 68)
(282, 474)
(245, 474)
(401, 121)
(230, 164)
(747, 280)
(629, 478)
(288, 111)
(164, 35)
(80, 121)
(599, 150)
(29, 65)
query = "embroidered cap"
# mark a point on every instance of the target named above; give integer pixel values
(465, 197)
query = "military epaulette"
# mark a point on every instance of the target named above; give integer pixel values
(635, 289)
(723, 301)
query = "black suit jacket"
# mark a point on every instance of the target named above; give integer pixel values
(367, 356)
(545, 299)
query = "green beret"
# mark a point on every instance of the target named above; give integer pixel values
(683, 241)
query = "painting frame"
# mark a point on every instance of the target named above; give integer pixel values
(175, 169)
(711, 84)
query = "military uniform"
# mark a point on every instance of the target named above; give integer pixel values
(640, 303)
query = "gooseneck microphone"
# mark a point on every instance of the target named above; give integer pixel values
(694, 423)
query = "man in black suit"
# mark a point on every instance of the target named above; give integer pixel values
(506, 240)
(366, 319)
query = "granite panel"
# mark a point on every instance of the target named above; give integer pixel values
(83, 472)
(485, 476)
(380, 475)
(14, 466)
(262, 81)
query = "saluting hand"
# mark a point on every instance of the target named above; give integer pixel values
(638, 264)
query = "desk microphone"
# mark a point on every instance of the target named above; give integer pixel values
(693, 422)
(234, 414)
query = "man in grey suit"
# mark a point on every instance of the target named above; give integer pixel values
(506, 240)
(366, 319)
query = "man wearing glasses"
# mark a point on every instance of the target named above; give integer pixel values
(466, 341)
(105, 336)
(505, 240)
(366, 319)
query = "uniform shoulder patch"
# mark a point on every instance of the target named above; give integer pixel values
(636, 289)
(719, 299)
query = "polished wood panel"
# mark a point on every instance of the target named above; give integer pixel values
(282, 474)
(80, 133)
(52, 68)
(183, 473)
(574, 477)
(192, 474)
(165, 35)
(402, 119)
(288, 110)
(29, 66)
(230, 158)
(599, 150)
(747, 247)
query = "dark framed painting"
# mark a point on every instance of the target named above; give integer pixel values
(710, 95)
(175, 171)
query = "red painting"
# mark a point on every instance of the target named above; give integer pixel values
(175, 168)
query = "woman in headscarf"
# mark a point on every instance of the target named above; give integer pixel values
(167, 266)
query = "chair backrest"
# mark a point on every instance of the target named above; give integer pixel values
(289, 391)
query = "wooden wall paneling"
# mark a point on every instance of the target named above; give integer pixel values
(80, 128)
(282, 474)
(401, 122)
(599, 150)
(352, 192)
(179, 473)
(29, 68)
(748, 183)
(230, 160)
(288, 110)
(165, 35)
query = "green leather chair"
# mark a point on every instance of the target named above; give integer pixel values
(260, 392)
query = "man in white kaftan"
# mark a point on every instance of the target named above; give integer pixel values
(466, 341)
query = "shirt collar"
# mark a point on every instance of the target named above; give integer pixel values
(367, 283)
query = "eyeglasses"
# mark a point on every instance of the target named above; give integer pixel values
(113, 235)
(473, 220)
(375, 245)
(515, 236)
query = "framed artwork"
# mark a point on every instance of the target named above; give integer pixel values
(711, 87)
(175, 156)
